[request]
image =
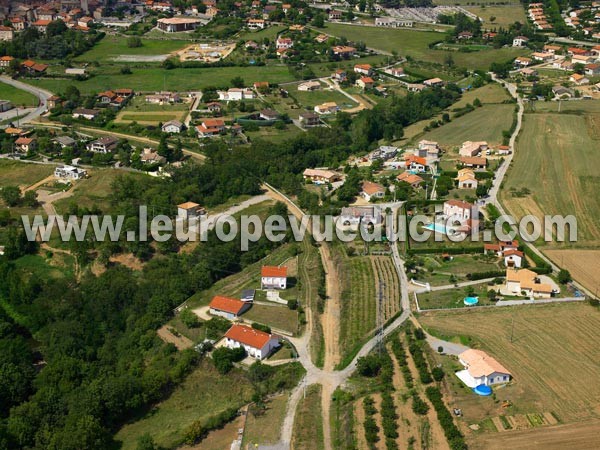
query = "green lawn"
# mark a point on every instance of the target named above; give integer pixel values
(258, 36)
(14, 173)
(113, 46)
(157, 79)
(414, 43)
(482, 124)
(311, 99)
(203, 394)
(276, 316)
(18, 97)
(453, 298)
(308, 424)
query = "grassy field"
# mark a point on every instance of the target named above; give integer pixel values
(276, 316)
(17, 96)
(257, 36)
(113, 46)
(308, 424)
(57, 267)
(505, 15)
(204, 393)
(156, 79)
(14, 173)
(561, 149)
(311, 99)
(438, 271)
(453, 298)
(550, 344)
(415, 44)
(482, 124)
(265, 429)
(91, 191)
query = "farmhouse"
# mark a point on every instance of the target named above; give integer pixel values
(474, 162)
(471, 148)
(480, 368)
(413, 179)
(189, 210)
(466, 179)
(70, 173)
(257, 344)
(428, 148)
(503, 150)
(228, 308)
(83, 113)
(309, 119)
(104, 144)
(320, 176)
(527, 282)
(372, 190)
(34, 68)
(172, 126)
(178, 24)
(273, 277)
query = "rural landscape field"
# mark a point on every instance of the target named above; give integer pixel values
(283, 226)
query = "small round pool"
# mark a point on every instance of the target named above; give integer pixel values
(483, 390)
(471, 301)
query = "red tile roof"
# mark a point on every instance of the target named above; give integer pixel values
(249, 336)
(273, 271)
(230, 305)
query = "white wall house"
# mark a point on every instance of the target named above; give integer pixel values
(481, 368)
(189, 210)
(273, 277)
(228, 308)
(458, 210)
(257, 344)
(69, 173)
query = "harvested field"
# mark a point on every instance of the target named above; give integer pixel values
(584, 265)
(553, 355)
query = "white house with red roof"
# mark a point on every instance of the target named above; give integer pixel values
(372, 190)
(257, 344)
(458, 210)
(273, 277)
(508, 250)
(480, 368)
(228, 308)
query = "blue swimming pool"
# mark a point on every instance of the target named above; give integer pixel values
(483, 390)
(437, 227)
(470, 301)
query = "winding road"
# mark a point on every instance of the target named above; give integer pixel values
(41, 94)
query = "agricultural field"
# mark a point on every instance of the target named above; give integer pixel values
(582, 264)
(415, 44)
(14, 173)
(203, 394)
(18, 97)
(543, 347)
(360, 276)
(308, 424)
(564, 184)
(113, 46)
(483, 124)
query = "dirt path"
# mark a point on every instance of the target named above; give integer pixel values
(331, 317)
(359, 418)
(380, 444)
(33, 187)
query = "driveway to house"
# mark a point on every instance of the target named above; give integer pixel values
(41, 94)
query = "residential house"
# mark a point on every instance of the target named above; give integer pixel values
(172, 126)
(189, 210)
(563, 92)
(501, 247)
(5, 105)
(428, 149)
(481, 369)
(6, 33)
(309, 119)
(465, 36)
(365, 82)
(542, 56)
(520, 41)
(395, 72)
(578, 79)
(214, 107)
(433, 82)
(84, 113)
(526, 282)
(104, 144)
(25, 144)
(309, 86)
(53, 101)
(273, 277)
(592, 70)
(284, 42)
(474, 162)
(261, 86)
(466, 179)
(367, 215)
(161, 98)
(335, 15)
(210, 127)
(503, 150)
(256, 24)
(236, 94)
(327, 108)
(33, 68)
(5, 61)
(228, 308)
(151, 156)
(320, 176)
(41, 25)
(459, 210)
(322, 38)
(470, 148)
(553, 49)
(413, 179)
(257, 344)
(363, 69)
(371, 191)
(178, 24)
(85, 21)
(268, 114)
(70, 173)
(65, 141)
(522, 61)
(393, 22)
(343, 50)
(415, 163)
(339, 75)
(513, 258)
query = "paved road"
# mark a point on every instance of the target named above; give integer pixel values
(41, 94)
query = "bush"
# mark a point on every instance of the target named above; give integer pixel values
(189, 319)
(451, 431)
(419, 406)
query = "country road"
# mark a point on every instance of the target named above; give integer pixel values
(41, 94)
